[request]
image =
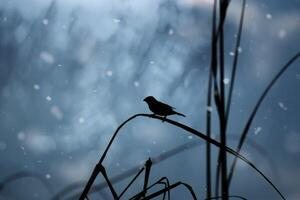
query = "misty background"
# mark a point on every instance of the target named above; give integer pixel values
(71, 71)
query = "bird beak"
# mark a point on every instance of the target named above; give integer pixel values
(144, 99)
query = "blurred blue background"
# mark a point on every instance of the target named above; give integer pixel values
(71, 71)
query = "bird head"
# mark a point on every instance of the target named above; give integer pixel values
(149, 99)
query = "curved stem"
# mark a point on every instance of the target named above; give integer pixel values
(257, 105)
(170, 187)
(231, 86)
(186, 128)
(156, 160)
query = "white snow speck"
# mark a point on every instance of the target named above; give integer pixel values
(81, 120)
(45, 22)
(36, 87)
(21, 135)
(154, 142)
(152, 62)
(240, 50)
(226, 81)
(48, 176)
(190, 137)
(209, 108)
(231, 53)
(282, 106)
(136, 84)
(47, 57)
(171, 32)
(268, 16)
(257, 130)
(117, 21)
(48, 98)
(109, 73)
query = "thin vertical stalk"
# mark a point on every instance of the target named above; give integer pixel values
(208, 106)
(223, 156)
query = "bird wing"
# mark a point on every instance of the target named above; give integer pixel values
(166, 106)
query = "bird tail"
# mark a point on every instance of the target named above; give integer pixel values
(177, 113)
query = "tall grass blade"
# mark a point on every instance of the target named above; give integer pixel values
(257, 105)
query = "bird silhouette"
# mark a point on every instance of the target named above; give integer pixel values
(159, 108)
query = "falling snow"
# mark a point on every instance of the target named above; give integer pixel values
(209, 109)
(47, 57)
(240, 50)
(109, 73)
(36, 87)
(45, 22)
(21, 135)
(136, 84)
(48, 176)
(117, 21)
(282, 106)
(257, 130)
(81, 120)
(48, 98)
(268, 16)
(226, 81)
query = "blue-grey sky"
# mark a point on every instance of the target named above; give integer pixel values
(71, 71)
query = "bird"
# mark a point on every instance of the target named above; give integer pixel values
(161, 109)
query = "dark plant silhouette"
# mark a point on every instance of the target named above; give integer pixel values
(215, 91)
(99, 168)
(156, 160)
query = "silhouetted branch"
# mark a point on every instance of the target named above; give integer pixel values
(155, 194)
(167, 184)
(184, 127)
(164, 156)
(131, 182)
(112, 190)
(160, 181)
(147, 174)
